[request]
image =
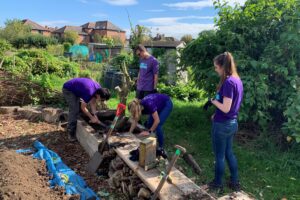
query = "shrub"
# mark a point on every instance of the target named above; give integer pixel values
(4, 46)
(185, 92)
(118, 60)
(34, 40)
(56, 50)
(268, 57)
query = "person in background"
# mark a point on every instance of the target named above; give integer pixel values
(158, 107)
(148, 73)
(79, 92)
(224, 121)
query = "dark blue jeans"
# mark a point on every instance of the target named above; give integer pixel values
(222, 138)
(163, 115)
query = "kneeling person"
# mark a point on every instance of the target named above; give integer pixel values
(86, 91)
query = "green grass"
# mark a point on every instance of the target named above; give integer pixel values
(264, 170)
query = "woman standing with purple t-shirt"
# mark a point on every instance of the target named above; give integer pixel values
(224, 126)
(158, 107)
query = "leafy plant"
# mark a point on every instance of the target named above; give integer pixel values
(263, 37)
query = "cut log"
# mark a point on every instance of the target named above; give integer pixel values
(191, 161)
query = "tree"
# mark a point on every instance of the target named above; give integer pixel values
(97, 38)
(264, 39)
(71, 36)
(187, 38)
(14, 29)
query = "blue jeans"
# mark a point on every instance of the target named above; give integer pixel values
(222, 138)
(163, 115)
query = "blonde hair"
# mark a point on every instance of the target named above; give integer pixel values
(226, 61)
(135, 109)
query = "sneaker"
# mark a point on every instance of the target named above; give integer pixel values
(161, 152)
(72, 138)
(234, 186)
(214, 187)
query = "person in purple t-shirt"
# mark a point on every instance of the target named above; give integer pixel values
(224, 121)
(148, 73)
(158, 107)
(86, 91)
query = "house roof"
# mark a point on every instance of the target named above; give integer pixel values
(34, 25)
(89, 25)
(107, 25)
(77, 29)
(162, 44)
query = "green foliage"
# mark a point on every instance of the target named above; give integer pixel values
(71, 37)
(37, 62)
(14, 29)
(157, 52)
(118, 60)
(168, 58)
(34, 40)
(85, 74)
(185, 92)
(138, 35)
(187, 38)
(4, 46)
(67, 46)
(97, 38)
(56, 50)
(263, 37)
(292, 113)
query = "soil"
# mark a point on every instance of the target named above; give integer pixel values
(22, 177)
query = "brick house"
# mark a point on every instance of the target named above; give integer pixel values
(36, 28)
(83, 36)
(104, 28)
(86, 31)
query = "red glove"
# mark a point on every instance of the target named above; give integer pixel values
(120, 109)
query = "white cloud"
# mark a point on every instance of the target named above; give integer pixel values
(121, 2)
(192, 5)
(199, 4)
(172, 26)
(54, 23)
(156, 10)
(100, 15)
(179, 29)
(172, 20)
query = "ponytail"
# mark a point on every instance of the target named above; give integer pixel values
(135, 109)
(226, 61)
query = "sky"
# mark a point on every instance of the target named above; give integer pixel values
(170, 17)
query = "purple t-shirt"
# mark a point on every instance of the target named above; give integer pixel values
(233, 89)
(83, 88)
(148, 68)
(154, 102)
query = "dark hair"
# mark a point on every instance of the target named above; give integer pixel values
(226, 61)
(140, 48)
(104, 93)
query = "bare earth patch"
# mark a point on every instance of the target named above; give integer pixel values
(26, 178)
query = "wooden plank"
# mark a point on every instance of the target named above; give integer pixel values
(181, 185)
(237, 196)
(87, 137)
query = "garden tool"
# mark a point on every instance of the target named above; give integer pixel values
(179, 149)
(97, 158)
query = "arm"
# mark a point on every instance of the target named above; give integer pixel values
(156, 121)
(93, 105)
(133, 125)
(84, 109)
(225, 106)
(155, 80)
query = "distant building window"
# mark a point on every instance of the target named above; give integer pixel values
(40, 31)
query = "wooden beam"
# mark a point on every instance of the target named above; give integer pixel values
(87, 137)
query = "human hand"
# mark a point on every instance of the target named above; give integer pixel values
(207, 104)
(144, 133)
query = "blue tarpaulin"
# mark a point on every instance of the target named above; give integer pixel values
(62, 175)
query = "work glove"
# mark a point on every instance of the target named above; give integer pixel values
(207, 104)
(154, 91)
